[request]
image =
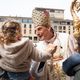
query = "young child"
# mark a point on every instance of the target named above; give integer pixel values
(16, 53)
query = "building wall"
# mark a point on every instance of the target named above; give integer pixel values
(54, 13)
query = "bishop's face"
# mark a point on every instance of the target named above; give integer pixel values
(43, 32)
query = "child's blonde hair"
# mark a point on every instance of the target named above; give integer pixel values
(11, 32)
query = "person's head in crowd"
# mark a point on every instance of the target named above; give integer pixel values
(42, 24)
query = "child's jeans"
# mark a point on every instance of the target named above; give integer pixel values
(16, 75)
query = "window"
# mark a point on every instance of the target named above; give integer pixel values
(55, 22)
(29, 31)
(24, 25)
(30, 21)
(24, 31)
(24, 20)
(55, 28)
(68, 23)
(60, 31)
(35, 38)
(60, 27)
(35, 31)
(30, 26)
(64, 27)
(64, 31)
(30, 37)
(68, 27)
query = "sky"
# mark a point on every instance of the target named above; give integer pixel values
(23, 8)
